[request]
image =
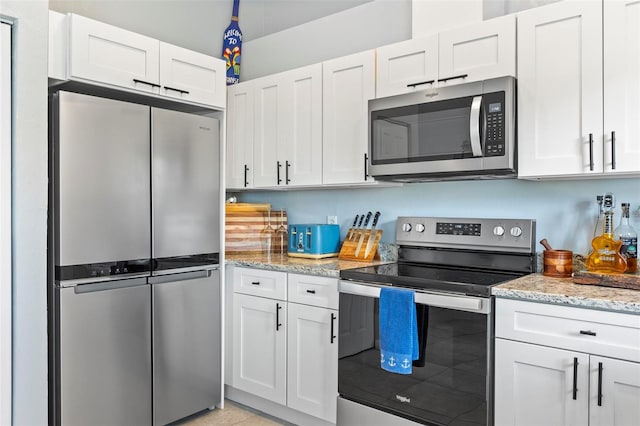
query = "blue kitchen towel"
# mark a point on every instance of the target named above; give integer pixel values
(398, 330)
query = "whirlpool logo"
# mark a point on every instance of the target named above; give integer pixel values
(403, 399)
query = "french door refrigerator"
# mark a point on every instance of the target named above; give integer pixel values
(134, 280)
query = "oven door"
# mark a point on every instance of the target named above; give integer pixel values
(451, 381)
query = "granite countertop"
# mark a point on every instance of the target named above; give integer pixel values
(563, 291)
(329, 267)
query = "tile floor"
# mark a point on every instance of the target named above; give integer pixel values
(233, 414)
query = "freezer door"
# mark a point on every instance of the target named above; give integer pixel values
(105, 353)
(185, 185)
(102, 172)
(186, 344)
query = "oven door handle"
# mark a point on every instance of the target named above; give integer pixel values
(450, 301)
(474, 126)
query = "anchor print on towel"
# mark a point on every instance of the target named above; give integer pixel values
(406, 363)
(381, 358)
(392, 362)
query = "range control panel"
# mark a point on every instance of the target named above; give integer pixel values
(481, 234)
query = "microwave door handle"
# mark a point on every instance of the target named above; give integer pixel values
(474, 126)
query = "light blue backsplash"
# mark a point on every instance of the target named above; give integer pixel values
(565, 211)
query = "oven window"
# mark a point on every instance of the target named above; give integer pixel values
(426, 132)
(449, 381)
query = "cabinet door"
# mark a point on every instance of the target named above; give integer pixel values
(534, 385)
(259, 346)
(621, 86)
(560, 90)
(406, 66)
(107, 54)
(300, 148)
(347, 85)
(240, 135)
(270, 123)
(192, 76)
(312, 370)
(618, 384)
(478, 52)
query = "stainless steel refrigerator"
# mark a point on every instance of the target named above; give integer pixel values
(134, 252)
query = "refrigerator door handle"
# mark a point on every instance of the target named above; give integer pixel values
(161, 279)
(109, 285)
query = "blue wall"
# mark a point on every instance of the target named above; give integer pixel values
(565, 211)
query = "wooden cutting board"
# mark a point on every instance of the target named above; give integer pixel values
(244, 223)
(629, 281)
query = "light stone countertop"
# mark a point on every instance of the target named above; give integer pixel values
(563, 291)
(329, 267)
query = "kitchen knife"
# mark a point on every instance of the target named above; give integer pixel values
(372, 237)
(362, 233)
(350, 233)
(356, 230)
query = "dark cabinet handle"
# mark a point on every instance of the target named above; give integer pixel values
(366, 160)
(255, 282)
(588, 332)
(311, 291)
(599, 384)
(591, 151)
(575, 378)
(420, 83)
(333, 318)
(278, 165)
(286, 172)
(176, 90)
(135, 80)
(278, 325)
(613, 150)
(453, 78)
(246, 170)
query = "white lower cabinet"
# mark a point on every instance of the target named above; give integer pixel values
(286, 351)
(558, 365)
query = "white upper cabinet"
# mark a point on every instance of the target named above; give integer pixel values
(288, 128)
(86, 50)
(560, 89)
(621, 86)
(240, 135)
(348, 84)
(478, 52)
(192, 76)
(475, 52)
(106, 54)
(407, 66)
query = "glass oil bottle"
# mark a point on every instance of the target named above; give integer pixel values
(629, 238)
(606, 257)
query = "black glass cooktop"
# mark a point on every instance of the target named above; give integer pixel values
(437, 278)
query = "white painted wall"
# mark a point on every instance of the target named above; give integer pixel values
(30, 210)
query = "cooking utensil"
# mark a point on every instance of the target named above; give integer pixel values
(356, 230)
(362, 233)
(372, 234)
(352, 229)
(556, 263)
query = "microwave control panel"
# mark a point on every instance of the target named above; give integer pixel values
(494, 142)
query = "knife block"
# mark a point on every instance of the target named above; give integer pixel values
(349, 247)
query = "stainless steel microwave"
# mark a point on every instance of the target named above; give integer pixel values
(466, 131)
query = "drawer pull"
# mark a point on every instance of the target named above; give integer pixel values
(311, 291)
(575, 378)
(588, 332)
(599, 384)
(420, 83)
(255, 282)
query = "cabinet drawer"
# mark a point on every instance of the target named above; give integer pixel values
(312, 290)
(597, 332)
(260, 282)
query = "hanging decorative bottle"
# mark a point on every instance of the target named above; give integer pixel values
(231, 46)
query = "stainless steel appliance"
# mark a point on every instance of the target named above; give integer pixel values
(451, 264)
(134, 280)
(456, 132)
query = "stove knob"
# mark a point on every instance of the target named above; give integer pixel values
(516, 231)
(419, 227)
(498, 230)
(406, 227)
